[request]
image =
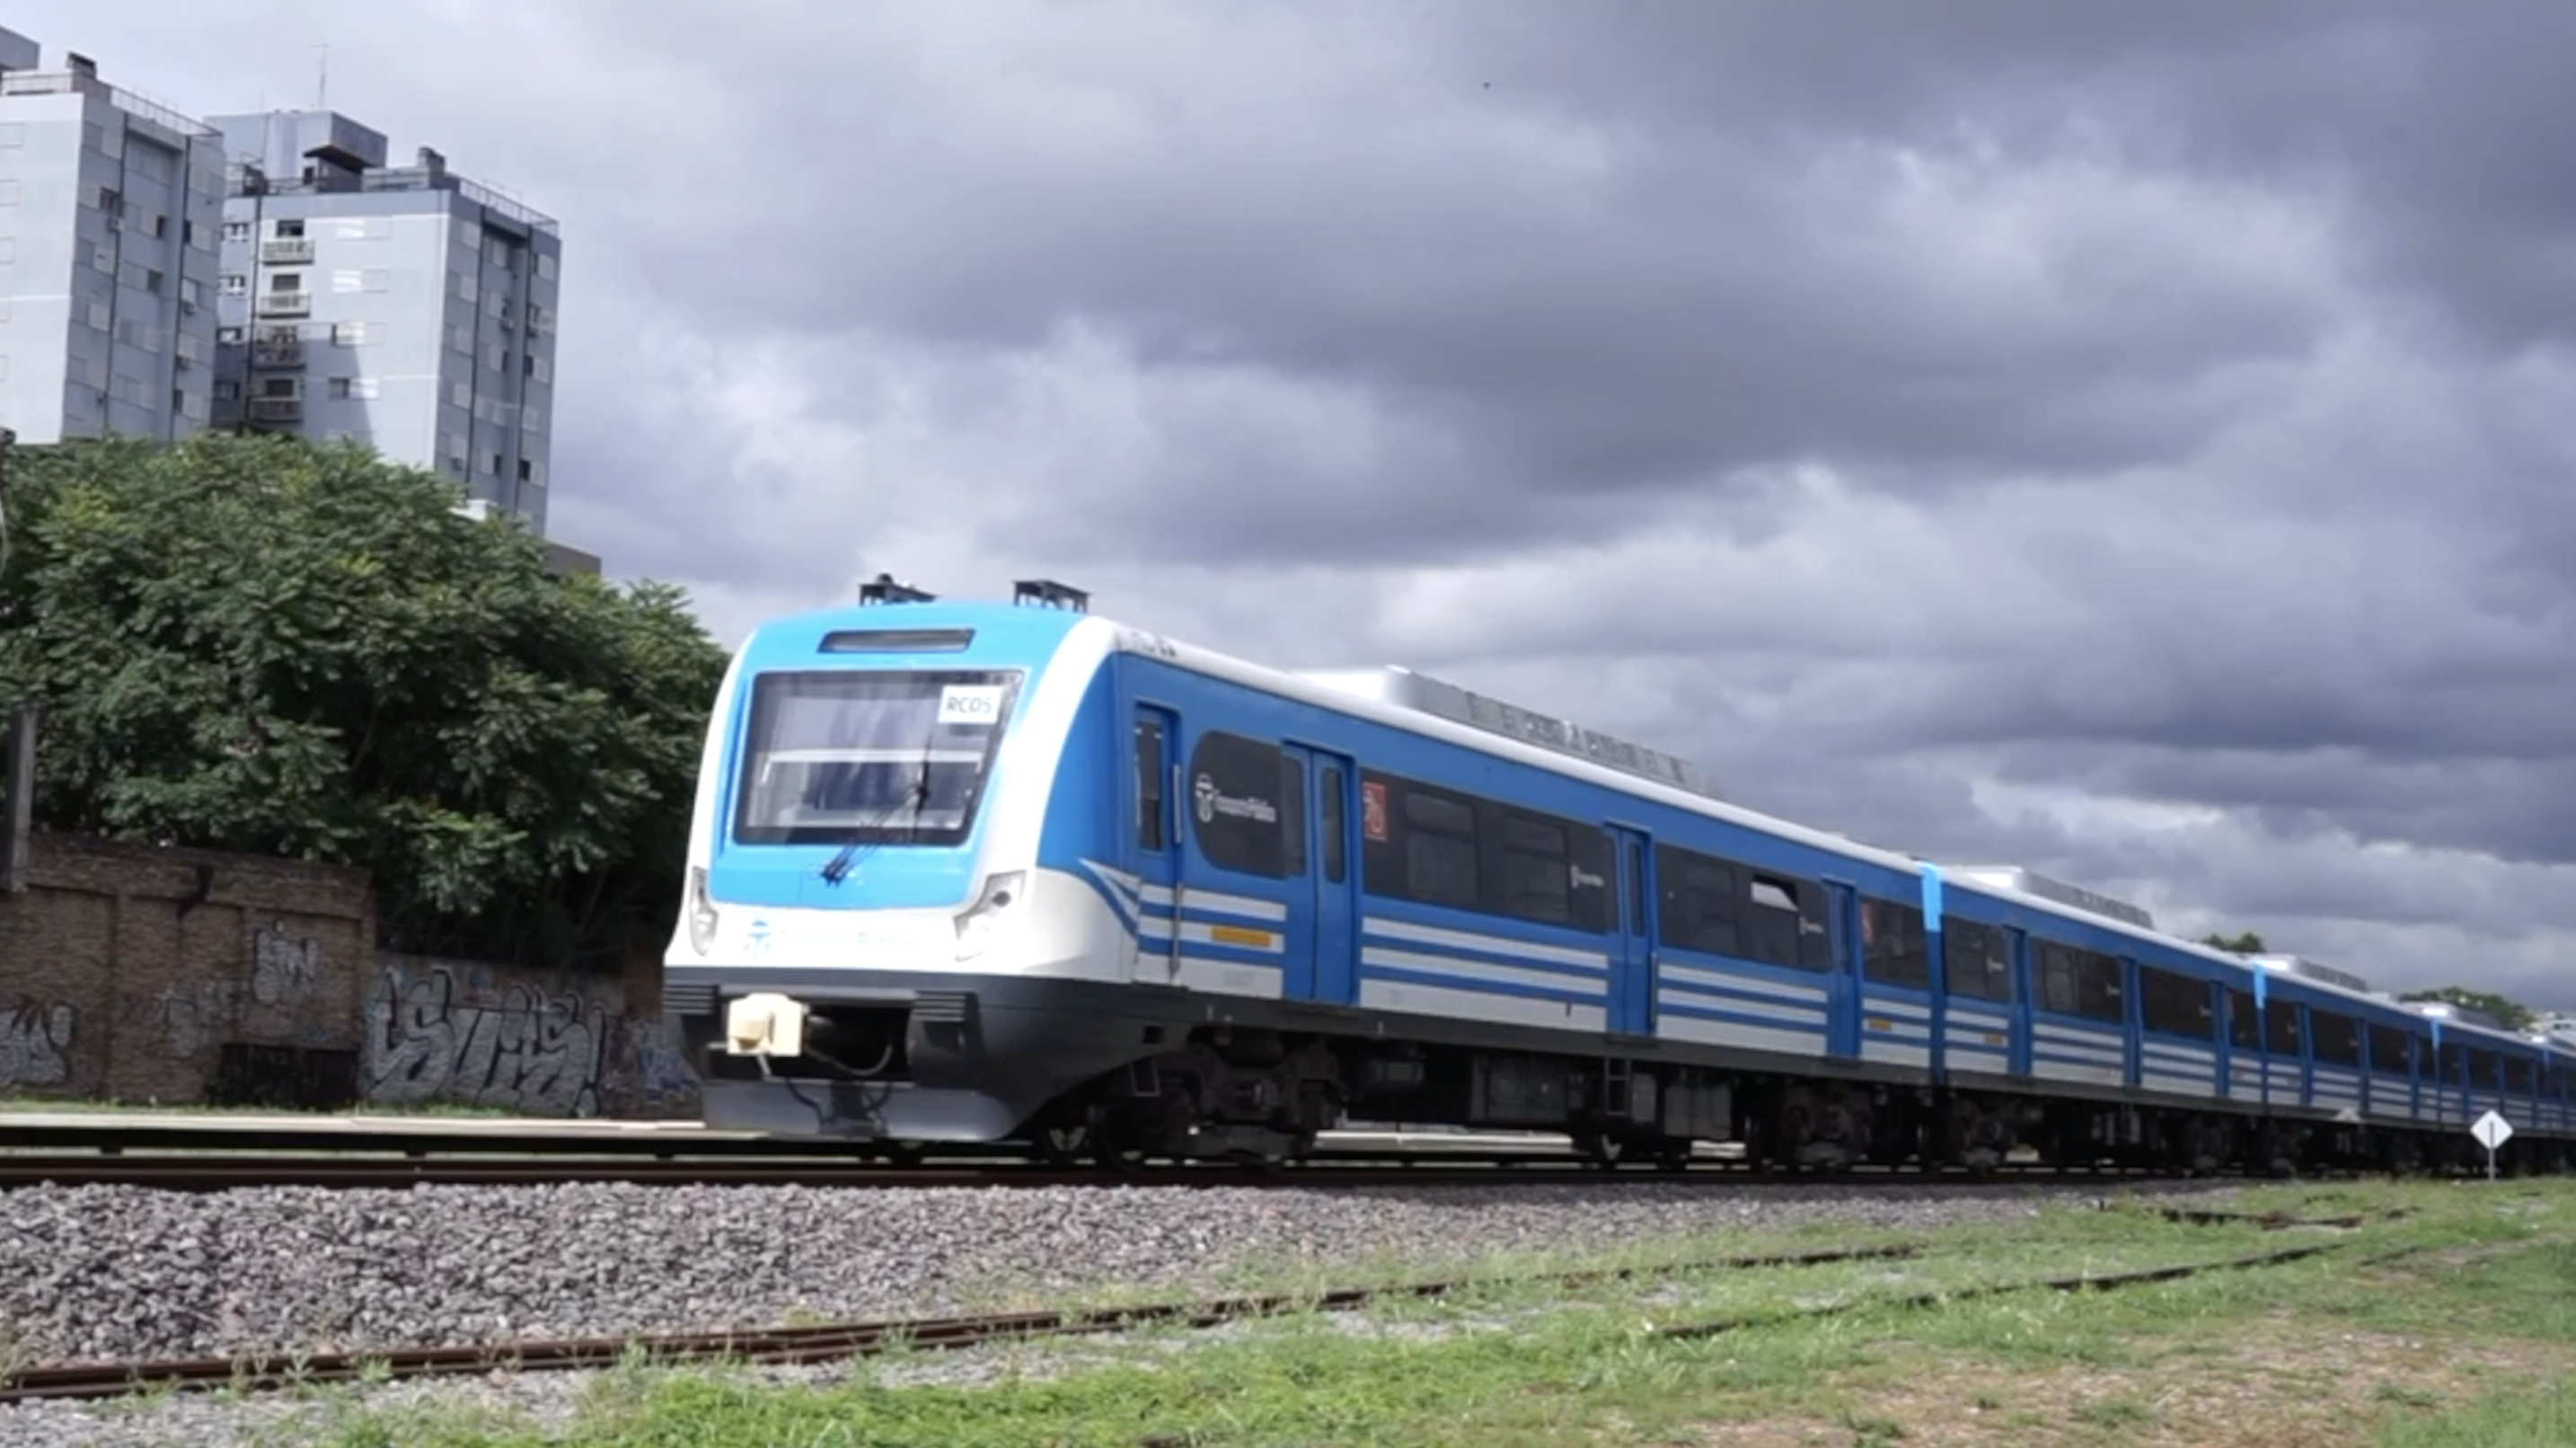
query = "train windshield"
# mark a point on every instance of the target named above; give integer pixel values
(843, 757)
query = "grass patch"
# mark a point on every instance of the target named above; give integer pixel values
(2469, 1338)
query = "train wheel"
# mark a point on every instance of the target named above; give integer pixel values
(1064, 1143)
(1112, 1140)
(1600, 1151)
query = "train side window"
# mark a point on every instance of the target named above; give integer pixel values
(1534, 857)
(1772, 921)
(1894, 949)
(2337, 1037)
(1437, 846)
(2482, 1070)
(1440, 864)
(2517, 1075)
(1292, 815)
(1700, 897)
(2175, 1004)
(2098, 992)
(1973, 960)
(2281, 1022)
(1329, 820)
(2388, 1050)
(1236, 797)
(2454, 1064)
(1150, 813)
(2056, 977)
(2242, 1032)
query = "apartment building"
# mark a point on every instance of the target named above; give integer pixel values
(110, 213)
(407, 308)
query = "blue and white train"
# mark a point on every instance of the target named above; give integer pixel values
(1010, 872)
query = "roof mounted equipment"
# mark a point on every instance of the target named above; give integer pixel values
(885, 590)
(1047, 593)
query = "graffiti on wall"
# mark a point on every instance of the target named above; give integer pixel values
(192, 1015)
(35, 1043)
(283, 967)
(662, 1080)
(522, 1049)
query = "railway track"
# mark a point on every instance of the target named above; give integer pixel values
(849, 1340)
(208, 1172)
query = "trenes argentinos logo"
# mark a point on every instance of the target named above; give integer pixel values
(1208, 802)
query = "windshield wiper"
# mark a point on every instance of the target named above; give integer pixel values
(839, 866)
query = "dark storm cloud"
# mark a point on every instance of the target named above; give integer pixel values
(2127, 440)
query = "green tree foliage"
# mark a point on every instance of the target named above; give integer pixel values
(2513, 1014)
(2247, 943)
(264, 645)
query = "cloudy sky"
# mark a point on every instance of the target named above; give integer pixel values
(2134, 442)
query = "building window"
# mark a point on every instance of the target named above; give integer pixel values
(288, 229)
(235, 285)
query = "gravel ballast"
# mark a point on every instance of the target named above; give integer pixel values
(120, 1273)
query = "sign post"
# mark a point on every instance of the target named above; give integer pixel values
(2491, 1131)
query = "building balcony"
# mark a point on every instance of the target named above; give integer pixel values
(277, 354)
(277, 409)
(286, 251)
(286, 304)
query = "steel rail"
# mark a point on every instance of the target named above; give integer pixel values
(350, 1169)
(2084, 1282)
(832, 1342)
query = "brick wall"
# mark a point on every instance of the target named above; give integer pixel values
(126, 969)
(138, 974)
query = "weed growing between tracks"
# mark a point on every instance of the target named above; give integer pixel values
(2458, 1343)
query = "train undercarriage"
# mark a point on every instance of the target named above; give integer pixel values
(1076, 1081)
(1265, 1096)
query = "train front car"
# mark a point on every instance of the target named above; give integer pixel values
(867, 948)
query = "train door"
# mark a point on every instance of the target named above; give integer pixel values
(1632, 960)
(2017, 953)
(2133, 1015)
(1328, 969)
(1842, 993)
(1153, 782)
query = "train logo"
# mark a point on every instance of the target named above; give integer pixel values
(1209, 801)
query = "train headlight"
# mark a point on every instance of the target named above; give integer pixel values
(702, 912)
(977, 924)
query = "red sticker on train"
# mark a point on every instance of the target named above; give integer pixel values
(1373, 809)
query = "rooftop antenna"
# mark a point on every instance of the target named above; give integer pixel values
(322, 77)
